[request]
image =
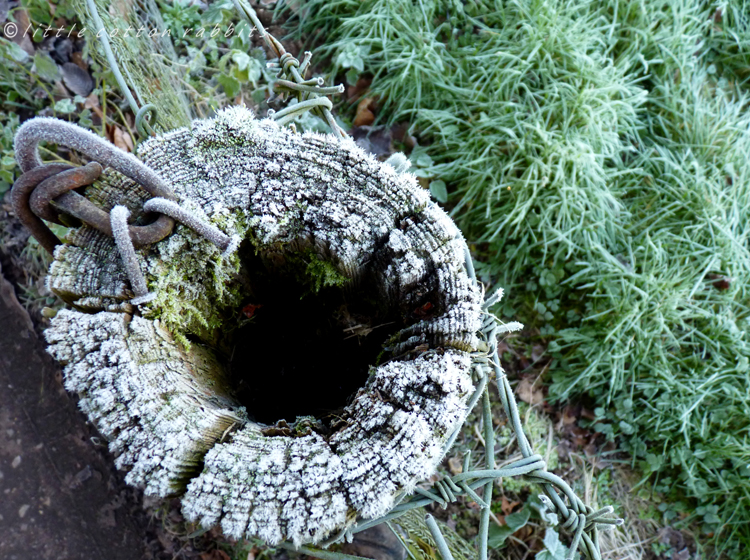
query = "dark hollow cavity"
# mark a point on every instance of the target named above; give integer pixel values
(302, 351)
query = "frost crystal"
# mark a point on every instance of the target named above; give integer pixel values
(136, 385)
(167, 410)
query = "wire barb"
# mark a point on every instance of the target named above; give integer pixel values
(291, 78)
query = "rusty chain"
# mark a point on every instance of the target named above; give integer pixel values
(48, 191)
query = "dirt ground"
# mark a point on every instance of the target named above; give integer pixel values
(61, 497)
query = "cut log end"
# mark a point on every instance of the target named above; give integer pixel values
(338, 250)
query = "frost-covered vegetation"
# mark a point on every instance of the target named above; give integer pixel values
(596, 153)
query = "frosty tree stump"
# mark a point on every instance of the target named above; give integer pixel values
(228, 384)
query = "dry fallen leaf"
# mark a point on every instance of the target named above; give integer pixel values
(77, 59)
(507, 506)
(455, 466)
(529, 393)
(77, 80)
(91, 101)
(122, 139)
(359, 89)
(23, 40)
(568, 416)
(215, 555)
(365, 116)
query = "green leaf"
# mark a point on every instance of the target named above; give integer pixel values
(241, 59)
(241, 38)
(65, 106)
(15, 52)
(513, 522)
(654, 461)
(214, 14)
(212, 49)
(250, 74)
(344, 59)
(420, 158)
(353, 57)
(554, 549)
(84, 119)
(352, 76)
(231, 85)
(46, 67)
(254, 70)
(497, 536)
(438, 191)
(197, 60)
(626, 428)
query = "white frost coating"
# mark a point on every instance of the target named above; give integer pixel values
(291, 193)
(171, 208)
(119, 220)
(271, 487)
(309, 487)
(135, 386)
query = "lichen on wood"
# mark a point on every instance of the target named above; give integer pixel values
(350, 221)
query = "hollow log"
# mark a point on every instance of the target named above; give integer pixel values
(162, 380)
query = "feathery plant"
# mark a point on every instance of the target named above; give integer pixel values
(597, 154)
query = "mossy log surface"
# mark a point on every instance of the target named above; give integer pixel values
(153, 379)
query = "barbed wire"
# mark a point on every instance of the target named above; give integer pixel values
(311, 95)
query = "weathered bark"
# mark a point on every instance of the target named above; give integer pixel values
(166, 408)
(146, 57)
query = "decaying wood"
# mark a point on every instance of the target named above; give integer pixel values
(165, 408)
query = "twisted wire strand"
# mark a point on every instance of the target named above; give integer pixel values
(291, 77)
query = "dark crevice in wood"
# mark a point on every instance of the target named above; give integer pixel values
(302, 353)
